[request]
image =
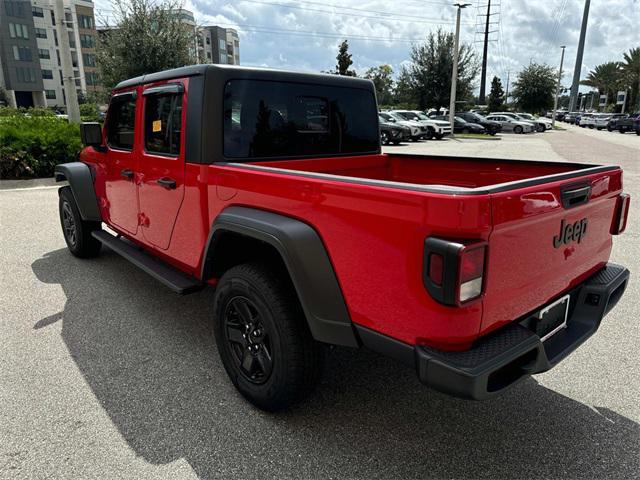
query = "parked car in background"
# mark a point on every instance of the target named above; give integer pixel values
(629, 124)
(416, 129)
(435, 128)
(392, 133)
(586, 120)
(600, 120)
(509, 124)
(490, 126)
(570, 117)
(537, 127)
(460, 125)
(612, 124)
(560, 116)
(542, 124)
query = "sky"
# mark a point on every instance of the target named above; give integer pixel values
(304, 35)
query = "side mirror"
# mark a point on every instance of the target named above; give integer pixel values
(91, 135)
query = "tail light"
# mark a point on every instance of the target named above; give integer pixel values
(622, 212)
(453, 272)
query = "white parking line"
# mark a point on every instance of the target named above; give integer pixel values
(42, 187)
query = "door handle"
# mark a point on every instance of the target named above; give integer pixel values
(166, 182)
(126, 173)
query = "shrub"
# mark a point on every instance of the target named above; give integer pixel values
(32, 145)
(89, 112)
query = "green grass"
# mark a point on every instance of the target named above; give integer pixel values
(477, 136)
(559, 128)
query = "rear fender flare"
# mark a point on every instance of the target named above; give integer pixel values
(80, 180)
(306, 260)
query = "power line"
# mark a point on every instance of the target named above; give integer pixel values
(389, 16)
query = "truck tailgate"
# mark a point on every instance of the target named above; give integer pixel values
(529, 261)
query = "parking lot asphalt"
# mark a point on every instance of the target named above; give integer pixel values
(104, 373)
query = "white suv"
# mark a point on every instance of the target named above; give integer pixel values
(435, 128)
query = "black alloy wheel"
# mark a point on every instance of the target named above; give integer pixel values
(262, 335)
(248, 340)
(76, 231)
(69, 226)
(384, 138)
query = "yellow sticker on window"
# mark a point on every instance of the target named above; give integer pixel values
(156, 126)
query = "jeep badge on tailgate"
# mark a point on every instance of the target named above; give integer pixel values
(570, 232)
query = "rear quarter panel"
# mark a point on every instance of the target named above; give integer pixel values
(375, 239)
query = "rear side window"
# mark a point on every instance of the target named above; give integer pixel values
(265, 119)
(121, 121)
(163, 123)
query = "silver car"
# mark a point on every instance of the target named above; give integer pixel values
(510, 124)
(517, 118)
(542, 124)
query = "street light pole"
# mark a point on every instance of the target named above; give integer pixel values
(555, 103)
(454, 75)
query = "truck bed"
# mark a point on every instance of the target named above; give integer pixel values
(374, 213)
(436, 173)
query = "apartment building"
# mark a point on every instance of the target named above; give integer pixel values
(218, 45)
(30, 66)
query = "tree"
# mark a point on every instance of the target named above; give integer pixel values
(534, 88)
(606, 78)
(149, 36)
(344, 61)
(630, 70)
(427, 81)
(495, 99)
(383, 80)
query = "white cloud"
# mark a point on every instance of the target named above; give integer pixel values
(379, 31)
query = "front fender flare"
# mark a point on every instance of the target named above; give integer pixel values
(306, 260)
(80, 180)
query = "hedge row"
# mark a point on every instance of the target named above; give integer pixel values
(33, 142)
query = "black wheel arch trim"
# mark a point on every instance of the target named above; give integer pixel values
(306, 260)
(80, 179)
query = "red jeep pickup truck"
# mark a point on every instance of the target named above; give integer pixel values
(271, 187)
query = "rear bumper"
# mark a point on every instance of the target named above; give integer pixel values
(510, 354)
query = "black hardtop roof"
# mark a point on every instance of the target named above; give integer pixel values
(245, 73)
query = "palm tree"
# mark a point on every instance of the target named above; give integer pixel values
(605, 77)
(631, 75)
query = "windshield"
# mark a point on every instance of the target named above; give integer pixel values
(396, 116)
(266, 119)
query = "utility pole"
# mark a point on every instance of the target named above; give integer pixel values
(68, 80)
(555, 103)
(506, 96)
(483, 78)
(454, 75)
(578, 66)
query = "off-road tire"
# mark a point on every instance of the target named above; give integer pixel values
(295, 357)
(77, 232)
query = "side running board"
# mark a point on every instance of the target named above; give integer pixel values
(176, 280)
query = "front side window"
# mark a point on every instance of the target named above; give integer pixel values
(264, 119)
(163, 123)
(121, 122)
